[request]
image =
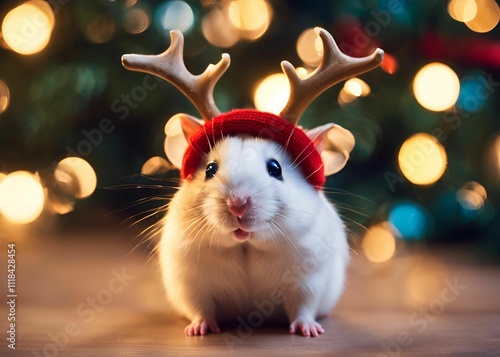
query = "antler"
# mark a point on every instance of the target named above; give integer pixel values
(335, 67)
(170, 66)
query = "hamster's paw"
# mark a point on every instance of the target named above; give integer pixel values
(308, 327)
(202, 326)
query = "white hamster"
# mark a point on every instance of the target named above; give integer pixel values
(248, 231)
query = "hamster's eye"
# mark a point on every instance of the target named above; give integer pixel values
(211, 169)
(274, 169)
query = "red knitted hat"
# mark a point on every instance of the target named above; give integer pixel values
(260, 125)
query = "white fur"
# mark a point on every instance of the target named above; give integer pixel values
(297, 247)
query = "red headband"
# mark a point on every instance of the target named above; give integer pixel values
(260, 125)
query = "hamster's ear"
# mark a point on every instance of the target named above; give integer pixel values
(334, 143)
(178, 130)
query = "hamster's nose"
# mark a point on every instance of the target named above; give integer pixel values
(238, 205)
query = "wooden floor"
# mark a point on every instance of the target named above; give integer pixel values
(89, 295)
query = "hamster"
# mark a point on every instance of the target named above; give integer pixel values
(250, 227)
(247, 230)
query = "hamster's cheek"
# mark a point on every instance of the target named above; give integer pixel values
(215, 213)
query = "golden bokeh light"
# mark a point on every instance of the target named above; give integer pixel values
(472, 195)
(309, 47)
(436, 87)
(462, 10)
(345, 98)
(77, 171)
(251, 17)
(424, 281)
(156, 165)
(27, 28)
(357, 87)
(22, 197)
(137, 20)
(217, 30)
(379, 243)
(4, 96)
(486, 18)
(491, 161)
(422, 159)
(352, 90)
(272, 93)
(2, 176)
(99, 29)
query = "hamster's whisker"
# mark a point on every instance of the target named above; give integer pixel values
(208, 139)
(300, 154)
(304, 158)
(150, 213)
(186, 230)
(140, 201)
(339, 191)
(344, 208)
(156, 227)
(352, 221)
(215, 230)
(280, 229)
(200, 222)
(312, 173)
(304, 229)
(285, 148)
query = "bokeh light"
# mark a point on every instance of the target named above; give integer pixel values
(470, 99)
(472, 196)
(492, 161)
(462, 10)
(436, 87)
(156, 165)
(272, 93)
(2, 176)
(137, 20)
(378, 243)
(486, 17)
(389, 63)
(218, 30)
(352, 90)
(309, 47)
(27, 28)
(76, 171)
(99, 28)
(425, 281)
(410, 220)
(251, 17)
(4, 96)
(175, 15)
(357, 87)
(422, 159)
(21, 197)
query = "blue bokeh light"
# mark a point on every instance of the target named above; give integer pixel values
(410, 219)
(473, 93)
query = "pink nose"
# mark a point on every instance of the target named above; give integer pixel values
(238, 206)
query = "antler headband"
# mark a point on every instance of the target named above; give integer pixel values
(335, 67)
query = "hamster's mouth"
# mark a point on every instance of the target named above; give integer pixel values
(240, 235)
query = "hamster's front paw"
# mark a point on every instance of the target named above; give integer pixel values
(202, 326)
(308, 327)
